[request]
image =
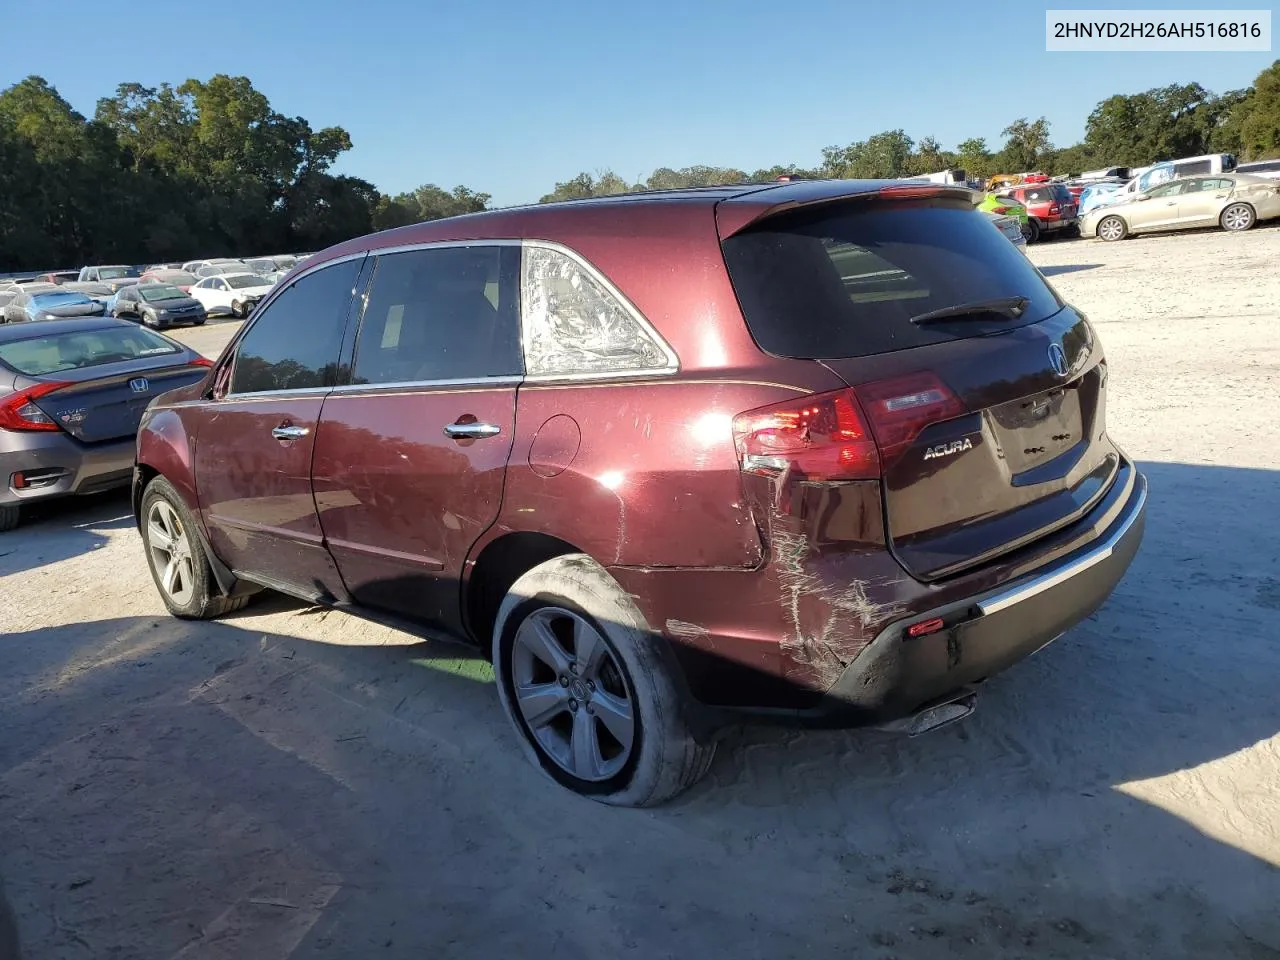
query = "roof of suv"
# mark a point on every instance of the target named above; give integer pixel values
(739, 205)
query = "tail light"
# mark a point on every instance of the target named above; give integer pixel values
(1001, 210)
(19, 411)
(843, 435)
(821, 437)
(200, 362)
(1054, 210)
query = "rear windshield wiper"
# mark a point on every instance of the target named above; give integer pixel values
(1010, 307)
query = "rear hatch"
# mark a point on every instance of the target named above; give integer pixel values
(988, 421)
(95, 384)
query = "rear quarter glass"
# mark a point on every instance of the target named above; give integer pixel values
(845, 280)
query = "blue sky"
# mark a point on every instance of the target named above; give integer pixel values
(509, 96)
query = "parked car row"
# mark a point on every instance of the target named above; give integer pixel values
(221, 286)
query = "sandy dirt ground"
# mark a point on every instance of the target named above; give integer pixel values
(298, 783)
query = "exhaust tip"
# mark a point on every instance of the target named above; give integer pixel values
(933, 717)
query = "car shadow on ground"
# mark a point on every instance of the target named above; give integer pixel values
(171, 785)
(60, 529)
(1059, 269)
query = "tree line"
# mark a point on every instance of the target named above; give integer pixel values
(209, 168)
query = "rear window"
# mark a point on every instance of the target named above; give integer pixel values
(39, 356)
(845, 281)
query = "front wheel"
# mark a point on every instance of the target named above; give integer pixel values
(237, 310)
(1237, 217)
(585, 682)
(1112, 229)
(176, 557)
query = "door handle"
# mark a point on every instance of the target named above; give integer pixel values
(1171, 203)
(471, 431)
(287, 431)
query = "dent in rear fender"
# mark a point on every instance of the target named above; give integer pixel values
(649, 477)
(165, 446)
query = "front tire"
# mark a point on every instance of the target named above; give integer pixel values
(585, 682)
(237, 310)
(1112, 229)
(176, 556)
(1238, 217)
(10, 516)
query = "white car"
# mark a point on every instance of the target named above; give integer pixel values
(234, 293)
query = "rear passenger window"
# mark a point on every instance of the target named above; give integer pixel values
(574, 324)
(441, 313)
(295, 341)
(1189, 169)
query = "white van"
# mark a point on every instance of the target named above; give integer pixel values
(1209, 163)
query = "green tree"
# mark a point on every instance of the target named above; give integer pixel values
(1026, 144)
(1259, 123)
(884, 154)
(973, 155)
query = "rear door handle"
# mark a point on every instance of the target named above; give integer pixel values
(471, 431)
(288, 431)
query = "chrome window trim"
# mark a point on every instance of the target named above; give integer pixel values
(273, 394)
(404, 385)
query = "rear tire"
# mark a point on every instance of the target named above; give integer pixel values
(10, 516)
(606, 720)
(1237, 218)
(176, 556)
(1032, 233)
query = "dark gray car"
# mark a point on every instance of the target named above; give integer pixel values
(159, 305)
(71, 395)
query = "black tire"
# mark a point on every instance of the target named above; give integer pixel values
(1237, 218)
(1032, 233)
(1105, 230)
(10, 516)
(1072, 232)
(664, 758)
(237, 310)
(199, 323)
(205, 601)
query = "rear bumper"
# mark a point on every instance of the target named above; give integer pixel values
(71, 467)
(897, 674)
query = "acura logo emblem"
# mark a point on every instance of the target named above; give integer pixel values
(1058, 360)
(140, 385)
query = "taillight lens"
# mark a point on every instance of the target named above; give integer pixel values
(821, 437)
(1000, 210)
(898, 409)
(843, 435)
(200, 362)
(19, 411)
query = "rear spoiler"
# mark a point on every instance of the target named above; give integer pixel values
(738, 213)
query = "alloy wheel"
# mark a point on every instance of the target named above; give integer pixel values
(170, 550)
(1111, 229)
(1237, 217)
(570, 692)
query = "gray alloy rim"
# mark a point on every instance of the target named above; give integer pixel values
(1237, 217)
(569, 690)
(170, 552)
(1111, 229)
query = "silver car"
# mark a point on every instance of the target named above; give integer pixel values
(1232, 201)
(71, 395)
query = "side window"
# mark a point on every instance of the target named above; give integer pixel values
(1190, 169)
(574, 324)
(294, 342)
(442, 313)
(1168, 190)
(218, 284)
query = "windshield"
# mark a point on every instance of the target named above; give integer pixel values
(845, 280)
(152, 292)
(239, 283)
(116, 273)
(260, 266)
(39, 356)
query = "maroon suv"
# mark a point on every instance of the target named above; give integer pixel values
(830, 451)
